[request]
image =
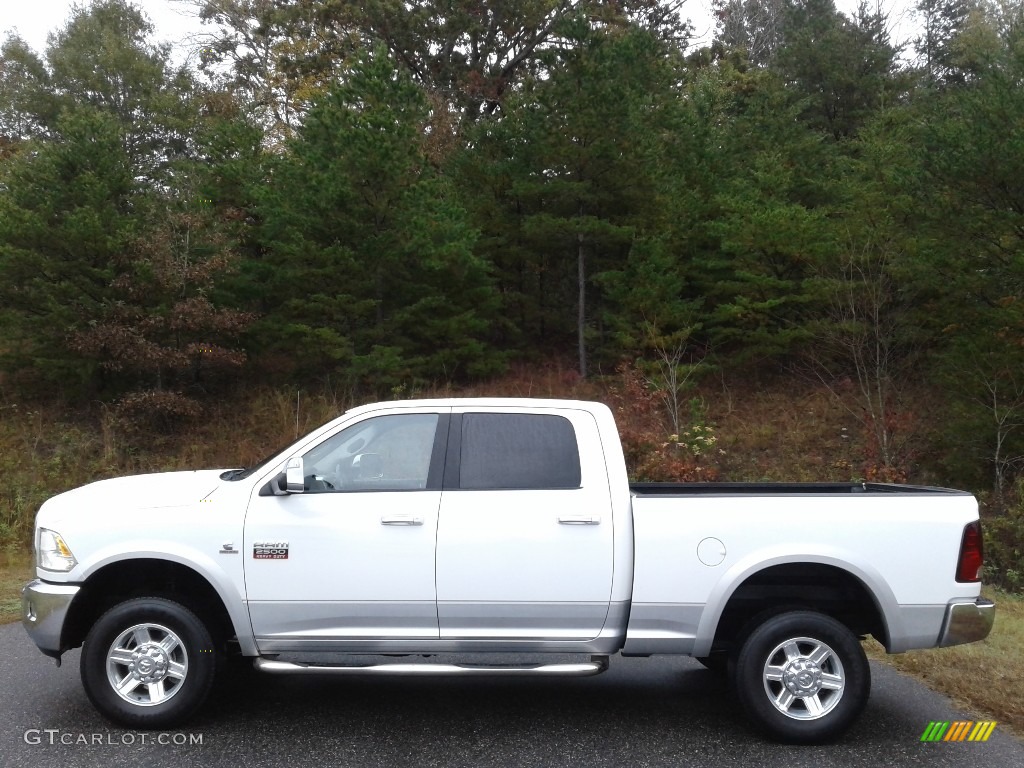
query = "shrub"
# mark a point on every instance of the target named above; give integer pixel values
(1004, 546)
(141, 413)
(651, 456)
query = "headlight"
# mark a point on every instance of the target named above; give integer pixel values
(52, 553)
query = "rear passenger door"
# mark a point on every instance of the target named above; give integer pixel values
(524, 542)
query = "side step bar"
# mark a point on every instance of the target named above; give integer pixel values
(595, 666)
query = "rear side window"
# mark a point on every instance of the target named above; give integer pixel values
(509, 450)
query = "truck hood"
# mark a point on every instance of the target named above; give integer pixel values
(151, 491)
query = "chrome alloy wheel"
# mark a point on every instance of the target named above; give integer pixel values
(804, 678)
(147, 664)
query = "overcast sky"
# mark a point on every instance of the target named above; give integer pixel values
(33, 19)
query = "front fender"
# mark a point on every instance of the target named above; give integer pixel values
(224, 575)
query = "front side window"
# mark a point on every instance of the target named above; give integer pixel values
(384, 453)
(518, 451)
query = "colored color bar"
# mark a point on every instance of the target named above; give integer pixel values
(935, 730)
(958, 730)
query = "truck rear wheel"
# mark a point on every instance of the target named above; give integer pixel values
(148, 662)
(802, 677)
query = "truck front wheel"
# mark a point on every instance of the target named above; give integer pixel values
(802, 677)
(148, 663)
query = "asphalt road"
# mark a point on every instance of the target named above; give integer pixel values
(642, 712)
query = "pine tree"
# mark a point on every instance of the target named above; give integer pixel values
(369, 272)
(570, 170)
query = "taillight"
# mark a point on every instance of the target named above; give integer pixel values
(972, 556)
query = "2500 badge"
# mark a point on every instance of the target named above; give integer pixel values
(270, 550)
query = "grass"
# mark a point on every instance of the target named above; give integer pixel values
(15, 570)
(981, 677)
(796, 434)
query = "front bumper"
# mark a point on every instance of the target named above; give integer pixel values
(967, 622)
(43, 610)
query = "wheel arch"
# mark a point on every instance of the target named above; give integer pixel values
(824, 584)
(125, 579)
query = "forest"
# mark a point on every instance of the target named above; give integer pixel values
(376, 199)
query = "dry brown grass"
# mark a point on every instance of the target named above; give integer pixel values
(797, 433)
(552, 379)
(983, 677)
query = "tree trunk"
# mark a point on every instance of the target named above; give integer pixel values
(581, 318)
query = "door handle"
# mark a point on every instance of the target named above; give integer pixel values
(401, 520)
(579, 520)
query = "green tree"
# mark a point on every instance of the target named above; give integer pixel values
(251, 54)
(26, 102)
(941, 22)
(972, 168)
(762, 222)
(105, 281)
(369, 272)
(109, 247)
(468, 55)
(756, 27)
(63, 223)
(102, 59)
(844, 69)
(571, 167)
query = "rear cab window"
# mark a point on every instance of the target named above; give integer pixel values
(518, 451)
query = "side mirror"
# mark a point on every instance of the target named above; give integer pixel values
(295, 476)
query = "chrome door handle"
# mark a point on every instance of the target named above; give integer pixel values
(401, 520)
(579, 520)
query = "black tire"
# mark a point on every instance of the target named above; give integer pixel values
(818, 693)
(169, 663)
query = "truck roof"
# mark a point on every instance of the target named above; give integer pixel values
(480, 402)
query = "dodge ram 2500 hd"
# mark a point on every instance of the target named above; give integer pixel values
(495, 527)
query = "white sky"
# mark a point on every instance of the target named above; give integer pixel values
(33, 19)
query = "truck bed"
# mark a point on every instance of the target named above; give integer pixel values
(785, 489)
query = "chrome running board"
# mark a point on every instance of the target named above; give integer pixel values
(595, 666)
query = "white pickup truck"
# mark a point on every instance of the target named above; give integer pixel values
(496, 526)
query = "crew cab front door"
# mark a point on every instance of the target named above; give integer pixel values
(349, 563)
